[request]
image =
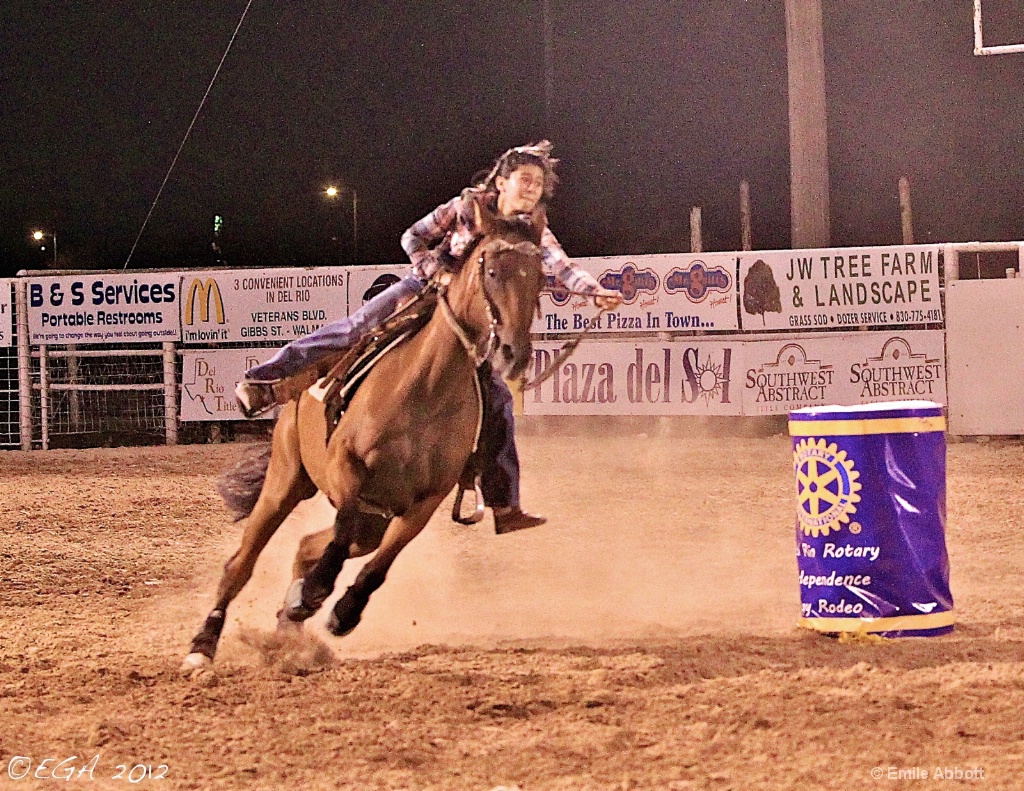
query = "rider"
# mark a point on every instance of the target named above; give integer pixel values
(522, 178)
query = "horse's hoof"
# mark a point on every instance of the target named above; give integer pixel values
(286, 625)
(339, 629)
(296, 615)
(194, 664)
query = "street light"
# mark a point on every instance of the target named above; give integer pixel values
(40, 236)
(334, 192)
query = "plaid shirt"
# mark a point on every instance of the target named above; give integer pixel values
(449, 229)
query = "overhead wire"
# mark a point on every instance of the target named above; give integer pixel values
(188, 132)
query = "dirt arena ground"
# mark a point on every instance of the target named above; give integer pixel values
(644, 639)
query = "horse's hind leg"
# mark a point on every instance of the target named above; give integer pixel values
(286, 485)
(349, 608)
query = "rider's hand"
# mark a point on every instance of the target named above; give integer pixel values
(606, 299)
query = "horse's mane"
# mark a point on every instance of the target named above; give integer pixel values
(528, 226)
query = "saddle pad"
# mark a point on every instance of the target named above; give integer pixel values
(319, 390)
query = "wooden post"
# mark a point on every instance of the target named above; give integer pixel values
(696, 245)
(808, 139)
(74, 396)
(745, 232)
(906, 215)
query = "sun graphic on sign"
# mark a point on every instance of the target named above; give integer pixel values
(710, 380)
(826, 486)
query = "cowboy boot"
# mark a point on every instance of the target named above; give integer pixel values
(512, 518)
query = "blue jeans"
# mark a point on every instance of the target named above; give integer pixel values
(500, 471)
(336, 336)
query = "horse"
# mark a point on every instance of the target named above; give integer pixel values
(401, 444)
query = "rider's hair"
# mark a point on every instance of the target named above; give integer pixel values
(538, 154)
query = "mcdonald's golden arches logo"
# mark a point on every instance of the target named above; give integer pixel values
(205, 291)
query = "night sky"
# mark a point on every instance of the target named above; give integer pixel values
(657, 107)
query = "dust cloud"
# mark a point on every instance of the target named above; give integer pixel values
(649, 537)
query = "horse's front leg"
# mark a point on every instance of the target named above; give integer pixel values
(311, 549)
(349, 609)
(286, 484)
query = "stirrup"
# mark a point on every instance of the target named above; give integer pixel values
(478, 512)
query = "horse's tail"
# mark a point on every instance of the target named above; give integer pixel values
(241, 485)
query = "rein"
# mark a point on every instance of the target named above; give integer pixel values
(472, 348)
(562, 354)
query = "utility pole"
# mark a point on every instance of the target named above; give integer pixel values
(808, 138)
(549, 66)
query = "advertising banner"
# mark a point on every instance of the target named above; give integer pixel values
(231, 305)
(208, 379)
(366, 282)
(782, 375)
(104, 308)
(639, 378)
(6, 313)
(841, 287)
(734, 376)
(661, 293)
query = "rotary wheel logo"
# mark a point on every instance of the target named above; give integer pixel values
(826, 486)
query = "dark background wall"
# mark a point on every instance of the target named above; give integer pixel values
(657, 106)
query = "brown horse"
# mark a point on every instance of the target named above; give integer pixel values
(402, 443)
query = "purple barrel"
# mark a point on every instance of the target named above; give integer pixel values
(871, 518)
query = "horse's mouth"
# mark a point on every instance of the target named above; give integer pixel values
(512, 365)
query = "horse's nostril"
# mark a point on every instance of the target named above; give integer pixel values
(507, 353)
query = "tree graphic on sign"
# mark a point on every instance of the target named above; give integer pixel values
(760, 292)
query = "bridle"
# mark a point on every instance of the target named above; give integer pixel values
(480, 353)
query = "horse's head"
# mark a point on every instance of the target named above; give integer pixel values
(499, 284)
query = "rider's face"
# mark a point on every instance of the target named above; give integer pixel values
(521, 191)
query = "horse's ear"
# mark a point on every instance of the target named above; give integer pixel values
(484, 217)
(539, 221)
